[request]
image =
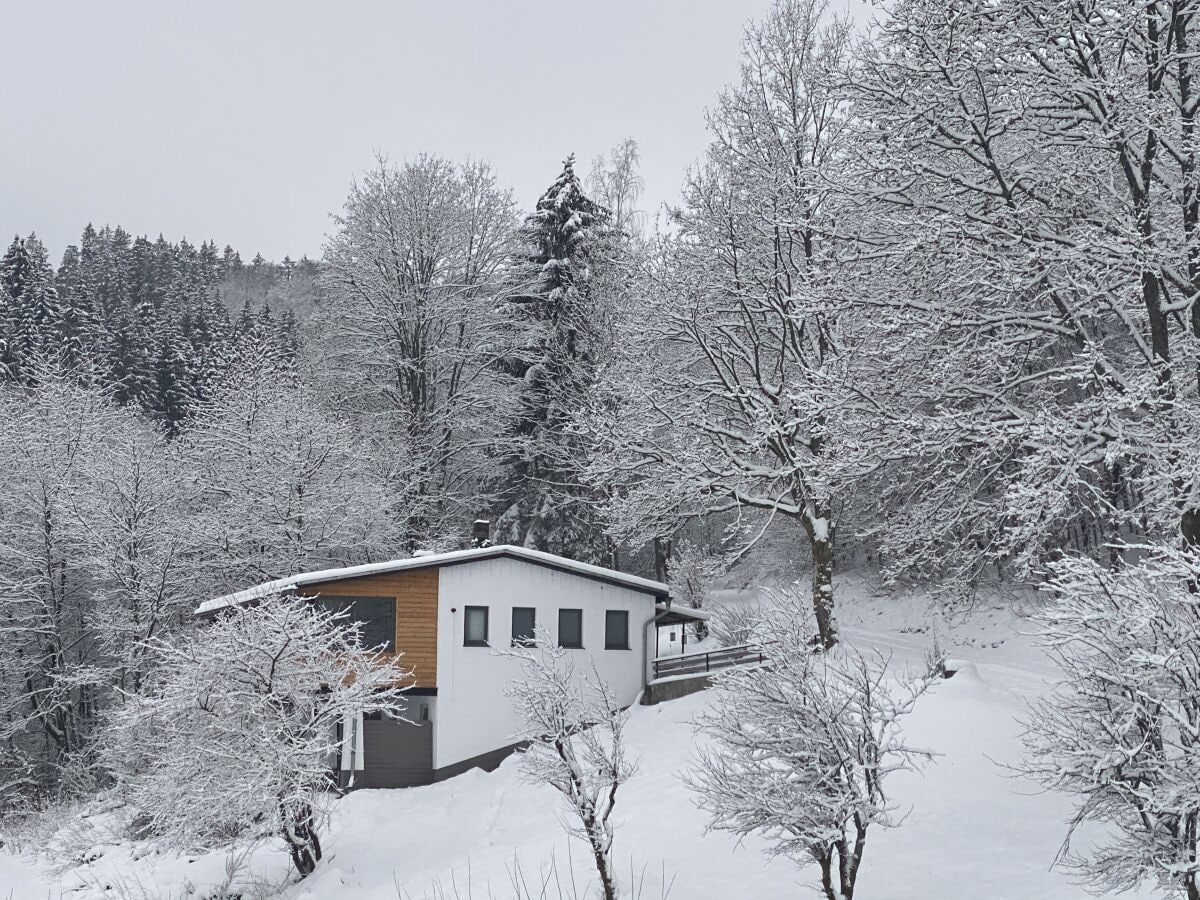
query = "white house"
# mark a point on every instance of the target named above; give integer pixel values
(447, 613)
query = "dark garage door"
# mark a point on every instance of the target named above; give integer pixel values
(396, 754)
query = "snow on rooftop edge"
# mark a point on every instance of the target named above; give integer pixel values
(685, 612)
(424, 561)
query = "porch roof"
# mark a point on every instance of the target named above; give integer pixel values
(670, 614)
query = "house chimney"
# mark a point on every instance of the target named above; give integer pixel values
(481, 533)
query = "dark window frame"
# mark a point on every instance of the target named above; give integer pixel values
(467, 610)
(624, 645)
(348, 602)
(579, 612)
(523, 641)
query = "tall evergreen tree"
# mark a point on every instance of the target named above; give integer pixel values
(31, 321)
(558, 320)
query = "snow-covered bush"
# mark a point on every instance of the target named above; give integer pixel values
(236, 729)
(1122, 733)
(576, 734)
(801, 750)
(734, 624)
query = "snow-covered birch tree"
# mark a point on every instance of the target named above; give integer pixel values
(235, 734)
(575, 731)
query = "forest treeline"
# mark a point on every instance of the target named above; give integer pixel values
(929, 297)
(155, 321)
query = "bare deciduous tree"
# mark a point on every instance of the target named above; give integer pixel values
(801, 749)
(576, 736)
(1122, 732)
(237, 730)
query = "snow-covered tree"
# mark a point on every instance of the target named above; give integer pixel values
(32, 322)
(132, 539)
(45, 711)
(1029, 171)
(411, 333)
(617, 185)
(575, 731)
(691, 577)
(90, 533)
(558, 321)
(1122, 731)
(236, 732)
(801, 749)
(734, 624)
(734, 392)
(279, 484)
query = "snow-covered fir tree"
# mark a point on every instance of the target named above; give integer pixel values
(32, 322)
(558, 321)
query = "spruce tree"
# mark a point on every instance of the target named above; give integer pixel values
(556, 319)
(32, 317)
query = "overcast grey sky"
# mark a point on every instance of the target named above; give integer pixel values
(245, 121)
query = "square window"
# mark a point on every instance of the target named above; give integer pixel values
(475, 626)
(524, 623)
(616, 629)
(570, 628)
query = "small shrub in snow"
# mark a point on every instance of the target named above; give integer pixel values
(1123, 731)
(801, 749)
(236, 731)
(575, 730)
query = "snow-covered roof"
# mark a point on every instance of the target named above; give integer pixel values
(436, 560)
(683, 612)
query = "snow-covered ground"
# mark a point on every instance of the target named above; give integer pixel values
(974, 830)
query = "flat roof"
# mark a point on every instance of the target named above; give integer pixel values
(670, 614)
(437, 560)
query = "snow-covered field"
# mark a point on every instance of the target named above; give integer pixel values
(974, 829)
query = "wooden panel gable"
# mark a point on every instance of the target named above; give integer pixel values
(416, 595)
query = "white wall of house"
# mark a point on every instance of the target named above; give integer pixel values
(474, 715)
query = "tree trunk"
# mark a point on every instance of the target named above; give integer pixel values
(604, 869)
(300, 834)
(662, 558)
(826, 863)
(822, 583)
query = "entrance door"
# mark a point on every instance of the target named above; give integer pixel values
(396, 754)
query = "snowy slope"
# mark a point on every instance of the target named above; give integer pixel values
(974, 831)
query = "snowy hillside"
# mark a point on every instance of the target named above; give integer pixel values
(971, 822)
